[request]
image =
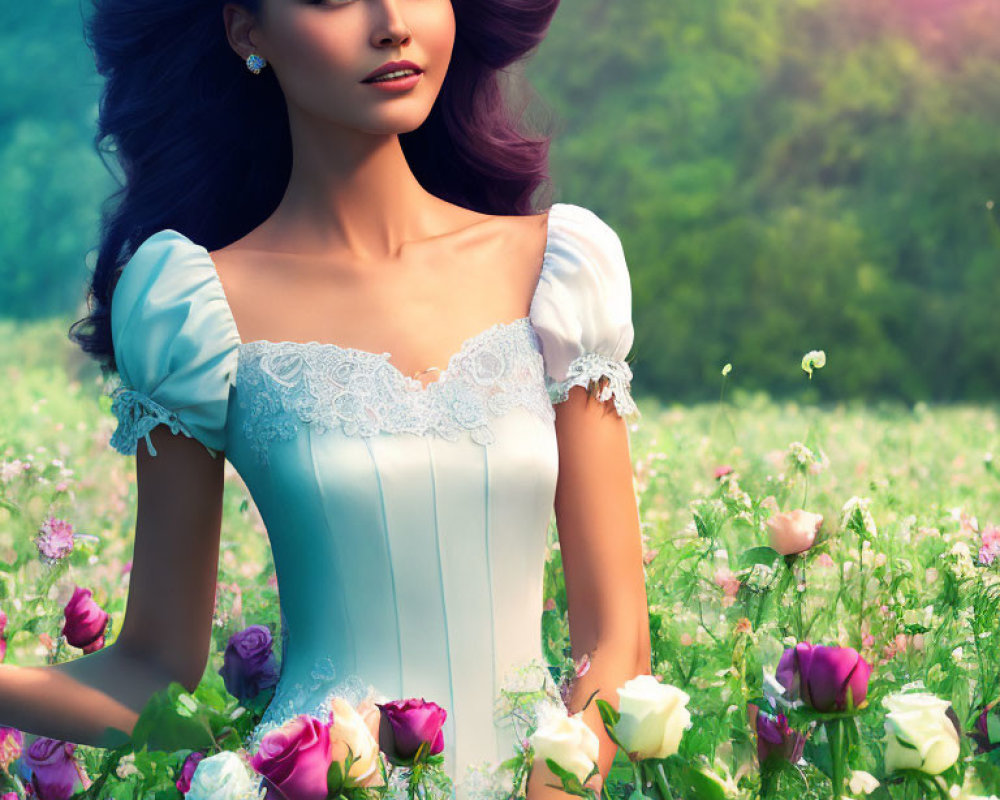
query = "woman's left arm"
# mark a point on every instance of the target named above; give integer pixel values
(601, 546)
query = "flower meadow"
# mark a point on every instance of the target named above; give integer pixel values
(824, 599)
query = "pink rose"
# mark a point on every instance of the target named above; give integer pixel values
(54, 774)
(793, 531)
(295, 758)
(719, 471)
(413, 723)
(821, 676)
(3, 641)
(187, 770)
(85, 621)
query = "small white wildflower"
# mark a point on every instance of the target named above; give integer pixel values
(814, 359)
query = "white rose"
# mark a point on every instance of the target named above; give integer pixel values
(653, 717)
(223, 776)
(567, 740)
(920, 735)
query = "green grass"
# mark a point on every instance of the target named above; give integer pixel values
(927, 472)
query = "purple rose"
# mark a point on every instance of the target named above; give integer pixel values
(822, 676)
(54, 774)
(981, 734)
(414, 722)
(85, 621)
(11, 744)
(775, 739)
(187, 770)
(3, 641)
(249, 665)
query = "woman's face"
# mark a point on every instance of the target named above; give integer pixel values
(321, 50)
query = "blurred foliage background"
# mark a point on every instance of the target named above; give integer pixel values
(785, 175)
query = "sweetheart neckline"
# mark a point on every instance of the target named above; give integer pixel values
(386, 356)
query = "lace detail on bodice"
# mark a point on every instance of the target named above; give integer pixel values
(283, 385)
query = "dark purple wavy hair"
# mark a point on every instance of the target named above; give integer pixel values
(203, 144)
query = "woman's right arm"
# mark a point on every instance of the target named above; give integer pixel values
(166, 633)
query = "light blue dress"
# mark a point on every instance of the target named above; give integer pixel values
(408, 524)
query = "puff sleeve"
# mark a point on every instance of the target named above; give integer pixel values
(176, 345)
(582, 309)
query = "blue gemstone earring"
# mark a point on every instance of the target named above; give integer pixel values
(256, 63)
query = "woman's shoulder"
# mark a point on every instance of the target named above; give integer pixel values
(582, 307)
(174, 340)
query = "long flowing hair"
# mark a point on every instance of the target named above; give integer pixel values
(203, 145)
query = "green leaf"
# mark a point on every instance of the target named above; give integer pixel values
(758, 555)
(172, 720)
(993, 728)
(334, 778)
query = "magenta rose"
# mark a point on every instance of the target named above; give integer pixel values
(3, 640)
(54, 774)
(822, 675)
(9, 796)
(776, 740)
(187, 770)
(11, 745)
(413, 723)
(295, 758)
(249, 665)
(85, 621)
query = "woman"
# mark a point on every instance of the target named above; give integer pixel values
(294, 246)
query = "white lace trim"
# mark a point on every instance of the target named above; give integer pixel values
(137, 415)
(588, 368)
(284, 385)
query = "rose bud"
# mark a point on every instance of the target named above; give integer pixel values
(85, 621)
(776, 740)
(920, 734)
(653, 717)
(793, 531)
(822, 676)
(187, 771)
(414, 722)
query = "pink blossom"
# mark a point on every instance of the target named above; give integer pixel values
(824, 560)
(990, 548)
(55, 539)
(719, 471)
(729, 583)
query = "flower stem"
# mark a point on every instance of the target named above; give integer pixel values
(661, 781)
(835, 733)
